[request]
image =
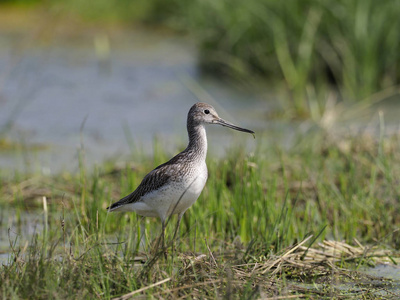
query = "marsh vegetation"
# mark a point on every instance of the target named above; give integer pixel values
(257, 228)
(277, 220)
(310, 51)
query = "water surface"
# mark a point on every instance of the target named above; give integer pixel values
(65, 95)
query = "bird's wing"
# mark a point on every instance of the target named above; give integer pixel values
(154, 180)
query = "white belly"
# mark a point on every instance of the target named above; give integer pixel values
(174, 198)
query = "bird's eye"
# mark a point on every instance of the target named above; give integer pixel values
(206, 111)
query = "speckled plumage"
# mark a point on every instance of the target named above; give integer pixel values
(174, 186)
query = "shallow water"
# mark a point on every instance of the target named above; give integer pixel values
(386, 271)
(65, 94)
(17, 228)
(143, 86)
(385, 281)
(381, 281)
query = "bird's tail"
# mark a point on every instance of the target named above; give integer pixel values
(114, 206)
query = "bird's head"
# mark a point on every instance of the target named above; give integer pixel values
(206, 114)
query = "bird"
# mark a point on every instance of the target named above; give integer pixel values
(174, 186)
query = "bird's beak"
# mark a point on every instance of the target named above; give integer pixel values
(230, 125)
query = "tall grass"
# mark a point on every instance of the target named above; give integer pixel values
(309, 45)
(275, 196)
(254, 205)
(305, 48)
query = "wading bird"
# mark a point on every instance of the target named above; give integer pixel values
(174, 186)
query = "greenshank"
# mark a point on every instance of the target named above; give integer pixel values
(174, 186)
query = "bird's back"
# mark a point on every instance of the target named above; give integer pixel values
(179, 172)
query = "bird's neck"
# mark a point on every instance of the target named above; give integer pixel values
(197, 141)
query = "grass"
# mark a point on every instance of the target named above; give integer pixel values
(308, 51)
(240, 240)
(264, 218)
(306, 48)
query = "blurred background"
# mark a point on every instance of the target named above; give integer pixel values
(108, 77)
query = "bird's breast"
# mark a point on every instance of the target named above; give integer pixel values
(196, 183)
(190, 189)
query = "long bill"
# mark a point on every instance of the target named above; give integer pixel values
(230, 125)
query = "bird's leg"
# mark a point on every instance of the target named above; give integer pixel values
(178, 224)
(163, 239)
(142, 241)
